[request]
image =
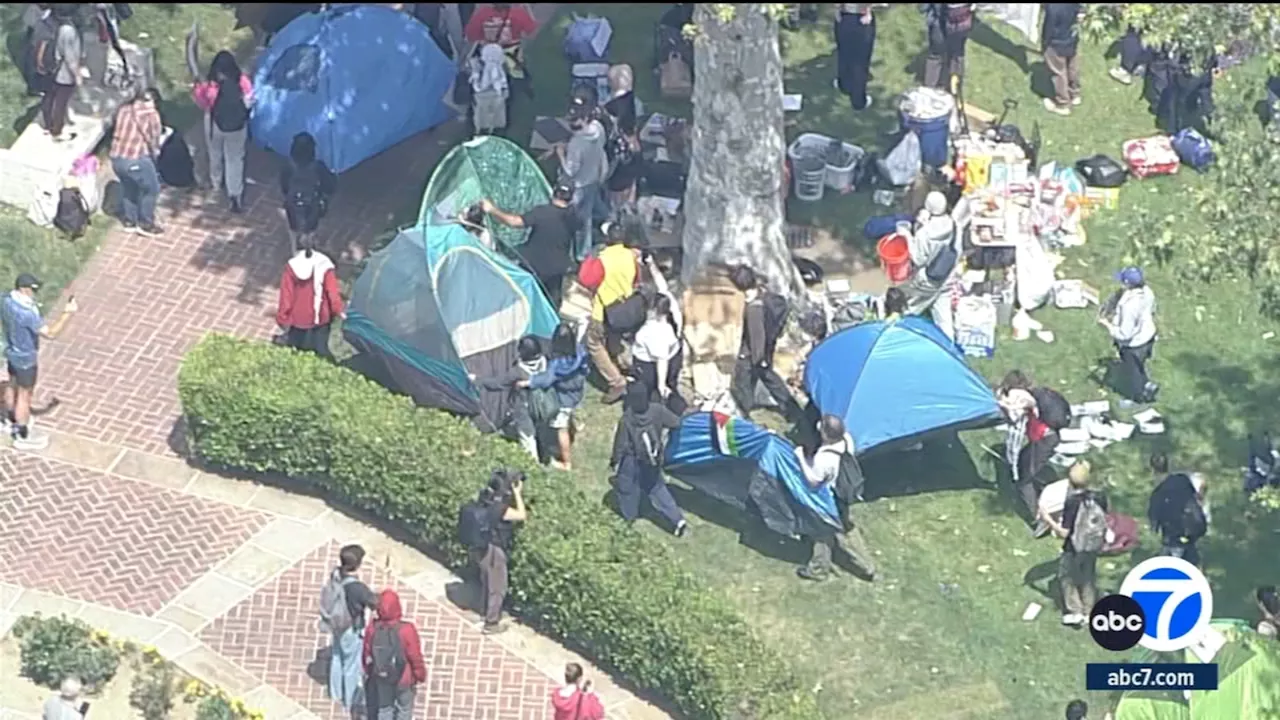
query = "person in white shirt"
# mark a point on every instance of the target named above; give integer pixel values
(823, 471)
(657, 352)
(66, 704)
(1133, 329)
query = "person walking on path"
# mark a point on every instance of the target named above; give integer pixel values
(947, 26)
(65, 72)
(576, 700)
(225, 97)
(344, 601)
(1060, 41)
(309, 300)
(135, 144)
(393, 662)
(23, 329)
(855, 43)
(1083, 531)
(307, 185)
(549, 249)
(1132, 326)
(823, 471)
(487, 527)
(637, 457)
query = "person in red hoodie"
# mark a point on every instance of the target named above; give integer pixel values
(576, 701)
(309, 300)
(393, 662)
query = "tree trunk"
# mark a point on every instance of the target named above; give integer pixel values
(733, 203)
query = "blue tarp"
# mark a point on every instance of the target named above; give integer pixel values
(733, 460)
(359, 78)
(895, 381)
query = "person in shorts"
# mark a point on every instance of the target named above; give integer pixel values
(23, 329)
(307, 185)
(566, 373)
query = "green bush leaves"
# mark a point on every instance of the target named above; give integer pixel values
(577, 572)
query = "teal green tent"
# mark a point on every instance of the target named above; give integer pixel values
(491, 168)
(1248, 682)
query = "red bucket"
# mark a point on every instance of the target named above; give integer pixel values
(895, 257)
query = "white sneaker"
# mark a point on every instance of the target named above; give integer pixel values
(1077, 100)
(31, 443)
(1072, 619)
(1120, 75)
(1055, 108)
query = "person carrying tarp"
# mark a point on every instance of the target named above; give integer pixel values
(834, 466)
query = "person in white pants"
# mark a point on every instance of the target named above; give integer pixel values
(226, 96)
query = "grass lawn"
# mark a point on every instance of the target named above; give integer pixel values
(939, 634)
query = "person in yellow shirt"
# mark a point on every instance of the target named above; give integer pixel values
(621, 271)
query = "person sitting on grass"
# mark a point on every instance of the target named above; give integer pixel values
(523, 419)
(566, 374)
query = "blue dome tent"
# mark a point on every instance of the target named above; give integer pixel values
(894, 382)
(434, 306)
(359, 78)
(742, 464)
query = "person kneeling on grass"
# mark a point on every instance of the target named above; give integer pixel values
(530, 408)
(637, 457)
(824, 470)
(566, 375)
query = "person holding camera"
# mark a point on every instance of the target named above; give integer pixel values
(487, 527)
(576, 700)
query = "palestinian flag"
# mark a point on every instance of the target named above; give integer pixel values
(725, 427)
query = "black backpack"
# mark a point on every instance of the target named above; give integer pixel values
(944, 261)
(1194, 523)
(229, 112)
(848, 487)
(475, 526)
(72, 216)
(1101, 171)
(387, 655)
(777, 310)
(304, 187)
(1052, 408)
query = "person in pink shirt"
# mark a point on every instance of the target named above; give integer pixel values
(576, 701)
(225, 97)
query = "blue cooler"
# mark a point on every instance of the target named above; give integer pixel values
(935, 137)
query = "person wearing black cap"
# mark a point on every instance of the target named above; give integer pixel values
(549, 249)
(23, 328)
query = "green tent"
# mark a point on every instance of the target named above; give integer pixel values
(486, 167)
(1248, 682)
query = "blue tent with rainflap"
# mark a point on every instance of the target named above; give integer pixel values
(894, 382)
(435, 306)
(742, 464)
(360, 78)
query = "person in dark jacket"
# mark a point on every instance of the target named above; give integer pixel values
(503, 500)
(530, 361)
(393, 701)
(1060, 42)
(549, 250)
(1134, 58)
(947, 26)
(307, 185)
(1176, 511)
(637, 457)
(566, 373)
(755, 358)
(855, 43)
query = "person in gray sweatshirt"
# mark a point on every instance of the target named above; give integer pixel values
(584, 165)
(66, 71)
(1133, 329)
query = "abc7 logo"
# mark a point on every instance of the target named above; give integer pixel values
(1117, 622)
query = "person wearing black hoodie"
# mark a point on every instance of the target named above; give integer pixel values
(637, 457)
(755, 358)
(1060, 42)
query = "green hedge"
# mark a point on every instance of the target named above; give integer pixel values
(577, 572)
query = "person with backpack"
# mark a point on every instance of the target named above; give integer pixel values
(58, 59)
(636, 459)
(1177, 513)
(576, 701)
(835, 456)
(764, 318)
(530, 408)
(947, 27)
(855, 33)
(135, 145)
(307, 186)
(309, 300)
(612, 276)
(657, 352)
(934, 247)
(39, 26)
(393, 663)
(566, 376)
(225, 97)
(344, 601)
(1132, 327)
(1083, 530)
(627, 165)
(486, 526)
(1060, 43)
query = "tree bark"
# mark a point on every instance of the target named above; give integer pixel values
(733, 202)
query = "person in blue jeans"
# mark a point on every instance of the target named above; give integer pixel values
(346, 668)
(135, 143)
